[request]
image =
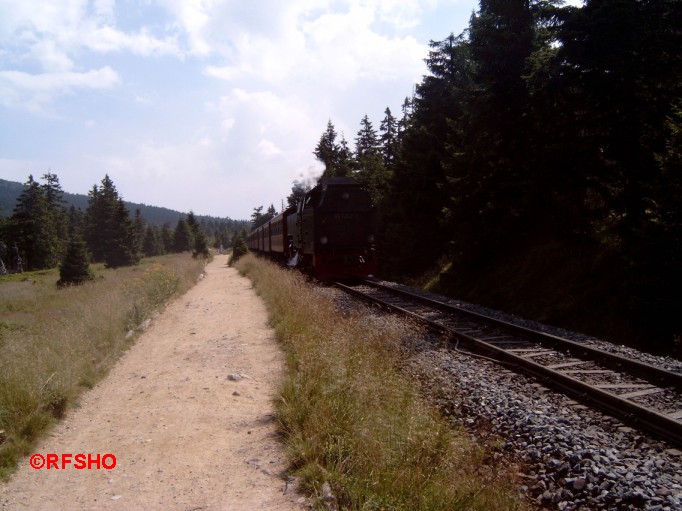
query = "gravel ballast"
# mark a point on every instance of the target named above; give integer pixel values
(572, 457)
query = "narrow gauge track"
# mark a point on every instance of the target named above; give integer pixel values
(636, 392)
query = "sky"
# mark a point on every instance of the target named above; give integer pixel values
(213, 106)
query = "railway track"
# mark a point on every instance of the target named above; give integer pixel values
(637, 393)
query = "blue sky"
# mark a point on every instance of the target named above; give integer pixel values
(213, 106)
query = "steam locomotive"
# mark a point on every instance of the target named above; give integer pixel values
(329, 233)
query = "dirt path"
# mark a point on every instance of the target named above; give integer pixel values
(187, 412)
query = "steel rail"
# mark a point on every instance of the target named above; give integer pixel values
(645, 418)
(651, 373)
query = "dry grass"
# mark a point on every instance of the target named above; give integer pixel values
(56, 342)
(352, 420)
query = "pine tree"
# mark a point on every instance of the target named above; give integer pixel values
(99, 219)
(389, 138)
(75, 268)
(200, 245)
(140, 227)
(125, 248)
(366, 142)
(58, 214)
(239, 247)
(370, 170)
(168, 239)
(183, 240)
(153, 243)
(110, 233)
(345, 162)
(327, 151)
(417, 197)
(256, 217)
(489, 170)
(298, 191)
(32, 226)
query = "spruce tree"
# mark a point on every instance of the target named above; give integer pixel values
(168, 239)
(32, 226)
(389, 138)
(124, 249)
(239, 247)
(183, 239)
(75, 267)
(200, 241)
(153, 244)
(298, 191)
(110, 233)
(417, 197)
(327, 152)
(59, 219)
(366, 142)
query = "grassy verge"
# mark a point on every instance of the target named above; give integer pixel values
(351, 420)
(56, 342)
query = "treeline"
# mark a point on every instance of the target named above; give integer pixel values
(545, 140)
(42, 232)
(213, 226)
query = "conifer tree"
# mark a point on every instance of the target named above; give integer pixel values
(183, 239)
(32, 228)
(366, 142)
(110, 233)
(256, 217)
(59, 220)
(140, 227)
(417, 196)
(389, 138)
(75, 268)
(345, 164)
(200, 242)
(298, 191)
(99, 219)
(330, 153)
(239, 247)
(124, 249)
(153, 243)
(168, 238)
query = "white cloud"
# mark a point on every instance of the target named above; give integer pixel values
(190, 176)
(193, 16)
(231, 118)
(303, 41)
(53, 35)
(268, 148)
(33, 91)
(50, 56)
(107, 39)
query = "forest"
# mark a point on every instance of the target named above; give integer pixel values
(42, 232)
(538, 167)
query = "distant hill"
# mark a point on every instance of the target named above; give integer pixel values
(10, 191)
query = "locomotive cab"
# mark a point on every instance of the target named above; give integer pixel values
(334, 230)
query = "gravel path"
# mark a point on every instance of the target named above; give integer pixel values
(187, 412)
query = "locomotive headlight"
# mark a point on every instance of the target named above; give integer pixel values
(324, 240)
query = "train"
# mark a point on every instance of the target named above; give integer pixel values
(329, 233)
